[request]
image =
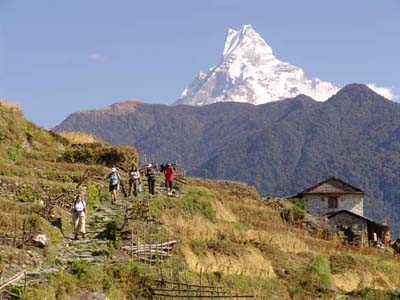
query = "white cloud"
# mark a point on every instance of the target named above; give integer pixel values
(383, 91)
(97, 57)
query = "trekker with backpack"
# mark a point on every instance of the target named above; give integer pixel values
(79, 215)
(134, 177)
(169, 178)
(114, 180)
(151, 177)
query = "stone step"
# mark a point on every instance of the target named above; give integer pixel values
(86, 241)
(91, 249)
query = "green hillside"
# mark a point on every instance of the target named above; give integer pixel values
(225, 234)
(281, 147)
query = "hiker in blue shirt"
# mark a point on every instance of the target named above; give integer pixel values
(114, 180)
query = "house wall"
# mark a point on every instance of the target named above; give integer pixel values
(345, 219)
(318, 204)
(358, 226)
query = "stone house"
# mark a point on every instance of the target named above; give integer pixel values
(332, 195)
(343, 205)
(359, 229)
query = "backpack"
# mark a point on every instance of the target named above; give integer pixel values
(75, 204)
(114, 179)
(151, 174)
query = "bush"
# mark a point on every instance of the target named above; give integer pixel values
(293, 213)
(63, 283)
(341, 263)
(320, 272)
(12, 155)
(89, 276)
(371, 294)
(27, 194)
(95, 194)
(107, 283)
(17, 292)
(97, 153)
(297, 202)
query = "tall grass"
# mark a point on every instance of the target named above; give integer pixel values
(9, 105)
(79, 137)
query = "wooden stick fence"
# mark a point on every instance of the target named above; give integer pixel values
(12, 235)
(12, 279)
(151, 253)
(173, 289)
(62, 200)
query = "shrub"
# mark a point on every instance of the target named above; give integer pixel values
(107, 283)
(17, 292)
(293, 213)
(297, 202)
(320, 272)
(27, 194)
(89, 276)
(63, 283)
(12, 155)
(97, 153)
(341, 263)
(95, 194)
(371, 294)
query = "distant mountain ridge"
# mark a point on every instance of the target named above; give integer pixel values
(249, 72)
(281, 147)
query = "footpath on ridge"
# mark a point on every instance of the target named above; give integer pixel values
(103, 227)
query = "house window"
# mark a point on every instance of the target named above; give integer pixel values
(332, 202)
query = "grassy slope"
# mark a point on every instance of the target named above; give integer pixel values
(226, 233)
(19, 136)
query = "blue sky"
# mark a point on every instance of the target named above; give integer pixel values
(57, 57)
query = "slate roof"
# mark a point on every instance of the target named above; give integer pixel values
(331, 215)
(331, 186)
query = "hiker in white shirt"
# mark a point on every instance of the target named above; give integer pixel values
(134, 178)
(79, 215)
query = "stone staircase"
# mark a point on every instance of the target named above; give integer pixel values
(96, 247)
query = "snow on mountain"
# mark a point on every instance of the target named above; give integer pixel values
(249, 72)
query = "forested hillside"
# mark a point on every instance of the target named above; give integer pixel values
(281, 147)
(210, 233)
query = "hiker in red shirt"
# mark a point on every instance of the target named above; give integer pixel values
(169, 178)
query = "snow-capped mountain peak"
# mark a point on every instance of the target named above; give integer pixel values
(246, 37)
(249, 72)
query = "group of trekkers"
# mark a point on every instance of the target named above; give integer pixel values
(114, 179)
(135, 183)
